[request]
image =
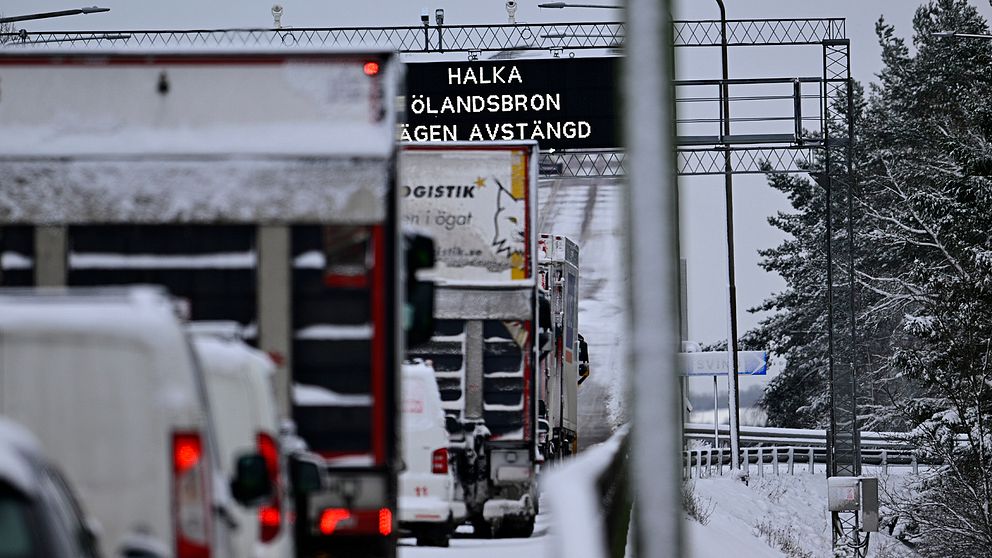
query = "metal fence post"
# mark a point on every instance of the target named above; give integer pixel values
(791, 462)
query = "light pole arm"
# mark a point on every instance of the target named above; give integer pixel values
(960, 35)
(560, 5)
(46, 15)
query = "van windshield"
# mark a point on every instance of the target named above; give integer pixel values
(16, 540)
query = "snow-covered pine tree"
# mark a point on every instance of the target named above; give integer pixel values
(797, 397)
(927, 196)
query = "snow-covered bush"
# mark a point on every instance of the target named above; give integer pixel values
(696, 506)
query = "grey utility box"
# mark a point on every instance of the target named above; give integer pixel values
(869, 504)
(843, 494)
(852, 494)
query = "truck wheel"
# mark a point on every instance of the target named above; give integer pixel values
(482, 529)
(526, 528)
(516, 529)
(435, 538)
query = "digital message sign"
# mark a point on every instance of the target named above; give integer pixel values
(562, 103)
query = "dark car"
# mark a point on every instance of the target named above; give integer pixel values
(39, 516)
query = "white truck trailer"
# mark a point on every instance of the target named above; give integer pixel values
(558, 278)
(478, 201)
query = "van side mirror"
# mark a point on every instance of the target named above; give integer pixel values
(304, 475)
(418, 315)
(251, 483)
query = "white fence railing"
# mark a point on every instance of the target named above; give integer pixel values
(787, 448)
(708, 462)
(754, 435)
(590, 500)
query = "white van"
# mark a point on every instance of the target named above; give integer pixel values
(431, 504)
(107, 381)
(242, 403)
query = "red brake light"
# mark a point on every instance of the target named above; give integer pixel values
(190, 496)
(331, 517)
(386, 521)
(270, 515)
(439, 461)
(270, 452)
(186, 452)
(342, 521)
(371, 68)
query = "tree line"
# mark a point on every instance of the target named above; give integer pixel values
(922, 163)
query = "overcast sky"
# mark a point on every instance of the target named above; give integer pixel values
(702, 198)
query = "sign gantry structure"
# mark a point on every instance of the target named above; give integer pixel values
(804, 125)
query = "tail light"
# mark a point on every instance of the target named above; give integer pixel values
(356, 522)
(439, 461)
(270, 513)
(386, 520)
(332, 518)
(190, 496)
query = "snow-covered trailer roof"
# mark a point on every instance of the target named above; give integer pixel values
(196, 136)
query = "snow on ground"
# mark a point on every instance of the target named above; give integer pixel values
(540, 545)
(788, 510)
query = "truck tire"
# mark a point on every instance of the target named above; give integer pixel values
(482, 529)
(434, 538)
(516, 528)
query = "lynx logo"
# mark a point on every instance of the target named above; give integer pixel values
(508, 238)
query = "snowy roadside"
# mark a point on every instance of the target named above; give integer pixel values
(774, 516)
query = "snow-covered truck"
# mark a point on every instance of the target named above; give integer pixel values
(478, 201)
(259, 186)
(558, 278)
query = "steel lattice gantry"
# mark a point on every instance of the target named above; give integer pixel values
(471, 39)
(844, 436)
(699, 155)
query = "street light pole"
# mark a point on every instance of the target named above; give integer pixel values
(46, 15)
(733, 384)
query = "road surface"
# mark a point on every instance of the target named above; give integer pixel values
(540, 545)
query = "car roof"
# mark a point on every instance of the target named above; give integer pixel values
(144, 313)
(19, 452)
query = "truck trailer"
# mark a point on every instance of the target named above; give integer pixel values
(558, 279)
(258, 186)
(478, 201)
